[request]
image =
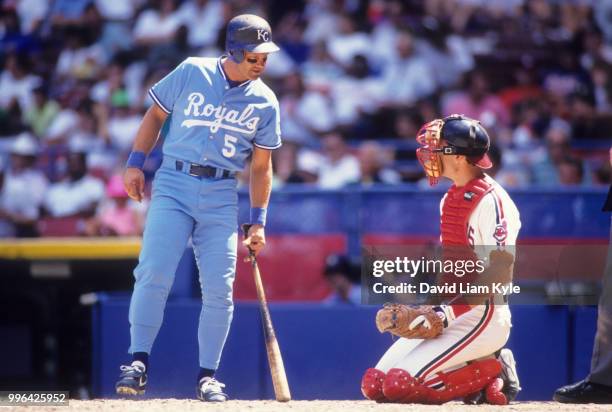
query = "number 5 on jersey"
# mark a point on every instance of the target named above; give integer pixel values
(229, 147)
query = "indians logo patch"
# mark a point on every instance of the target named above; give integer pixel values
(501, 232)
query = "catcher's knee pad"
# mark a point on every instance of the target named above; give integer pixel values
(466, 380)
(372, 383)
(400, 386)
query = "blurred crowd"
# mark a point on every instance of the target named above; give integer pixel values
(355, 80)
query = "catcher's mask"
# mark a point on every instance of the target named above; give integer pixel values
(463, 136)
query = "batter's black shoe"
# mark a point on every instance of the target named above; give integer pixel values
(133, 380)
(210, 390)
(584, 392)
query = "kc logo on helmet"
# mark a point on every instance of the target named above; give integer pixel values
(263, 35)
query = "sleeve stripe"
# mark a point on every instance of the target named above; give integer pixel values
(499, 204)
(156, 100)
(496, 203)
(269, 147)
(499, 214)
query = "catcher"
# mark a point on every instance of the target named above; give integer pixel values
(453, 351)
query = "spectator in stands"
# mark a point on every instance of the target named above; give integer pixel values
(31, 14)
(80, 59)
(343, 277)
(116, 32)
(306, 169)
(566, 78)
(448, 54)
(323, 19)
(557, 148)
(478, 102)
(17, 83)
(338, 166)
(43, 111)
(23, 188)
(387, 18)
(284, 159)
(65, 13)
(123, 122)
(204, 20)
(13, 38)
(62, 124)
(348, 42)
(118, 215)
(570, 171)
(289, 34)
(602, 87)
(373, 161)
(305, 113)
(320, 71)
(157, 24)
(356, 96)
(407, 77)
(508, 167)
(78, 194)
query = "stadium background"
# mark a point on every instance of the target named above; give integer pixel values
(355, 79)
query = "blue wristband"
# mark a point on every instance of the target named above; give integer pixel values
(258, 215)
(136, 159)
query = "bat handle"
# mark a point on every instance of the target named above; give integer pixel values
(245, 230)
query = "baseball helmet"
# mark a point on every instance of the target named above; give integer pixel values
(463, 136)
(248, 33)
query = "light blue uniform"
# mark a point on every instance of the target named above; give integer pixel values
(213, 124)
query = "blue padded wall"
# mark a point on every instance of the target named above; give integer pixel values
(325, 349)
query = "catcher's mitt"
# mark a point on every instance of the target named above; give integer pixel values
(411, 322)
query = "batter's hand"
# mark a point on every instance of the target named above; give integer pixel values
(133, 181)
(255, 239)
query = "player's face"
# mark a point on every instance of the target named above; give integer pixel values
(453, 165)
(253, 65)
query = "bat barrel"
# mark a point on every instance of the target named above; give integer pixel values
(277, 368)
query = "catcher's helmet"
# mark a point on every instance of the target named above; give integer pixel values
(463, 136)
(248, 33)
(466, 137)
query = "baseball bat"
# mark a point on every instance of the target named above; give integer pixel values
(277, 368)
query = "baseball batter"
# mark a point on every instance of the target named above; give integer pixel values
(218, 113)
(464, 357)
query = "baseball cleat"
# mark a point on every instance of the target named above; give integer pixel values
(133, 380)
(584, 392)
(509, 375)
(210, 390)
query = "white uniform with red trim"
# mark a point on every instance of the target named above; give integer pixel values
(482, 330)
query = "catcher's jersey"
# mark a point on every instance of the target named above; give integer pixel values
(211, 123)
(495, 221)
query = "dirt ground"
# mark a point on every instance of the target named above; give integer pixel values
(153, 405)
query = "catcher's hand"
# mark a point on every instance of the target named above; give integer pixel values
(411, 322)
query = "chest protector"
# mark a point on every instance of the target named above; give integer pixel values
(458, 206)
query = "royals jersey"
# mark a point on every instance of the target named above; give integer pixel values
(211, 123)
